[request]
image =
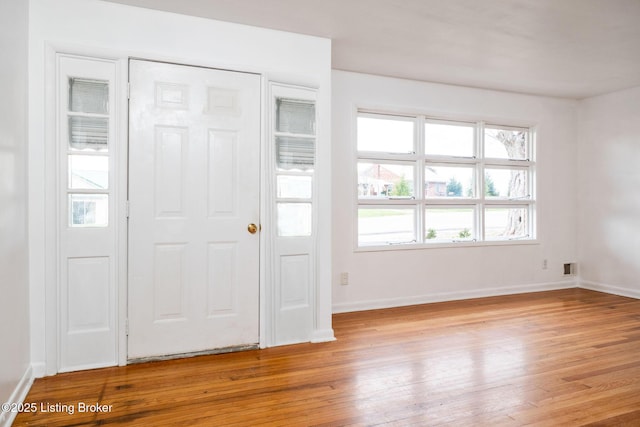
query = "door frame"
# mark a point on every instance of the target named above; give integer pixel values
(50, 337)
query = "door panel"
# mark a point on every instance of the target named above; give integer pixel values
(194, 187)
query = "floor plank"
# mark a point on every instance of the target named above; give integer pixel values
(565, 357)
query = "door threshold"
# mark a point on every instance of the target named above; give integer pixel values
(223, 350)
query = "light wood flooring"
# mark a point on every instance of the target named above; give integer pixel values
(558, 358)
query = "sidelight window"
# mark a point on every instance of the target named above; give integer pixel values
(295, 157)
(88, 152)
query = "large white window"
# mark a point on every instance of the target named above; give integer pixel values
(423, 181)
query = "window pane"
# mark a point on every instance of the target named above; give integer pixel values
(88, 210)
(295, 153)
(449, 181)
(88, 172)
(385, 135)
(88, 133)
(385, 180)
(294, 116)
(382, 226)
(506, 223)
(88, 96)
(294, 186)
(448, 140)
(294, 219)
(449, 224)
(507, 183)
(505, 143)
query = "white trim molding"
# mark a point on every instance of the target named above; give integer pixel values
(451, 296)
(17, 397)
(609, 289)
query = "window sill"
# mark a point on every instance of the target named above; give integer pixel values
(445, 245)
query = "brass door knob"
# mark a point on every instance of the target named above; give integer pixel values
(252, 228)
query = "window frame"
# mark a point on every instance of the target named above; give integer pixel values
(420, 160)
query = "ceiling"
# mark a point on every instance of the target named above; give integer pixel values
(564, 48)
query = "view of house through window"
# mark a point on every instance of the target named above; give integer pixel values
(422, 181)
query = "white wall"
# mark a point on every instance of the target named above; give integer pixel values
(14, 285)
(388, 278)
(98, 28)
(609, 192)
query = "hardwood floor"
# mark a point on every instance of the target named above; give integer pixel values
(559, 358)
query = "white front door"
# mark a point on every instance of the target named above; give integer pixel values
(194, 165)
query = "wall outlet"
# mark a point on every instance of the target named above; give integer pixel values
(344, 279)
(545, 264)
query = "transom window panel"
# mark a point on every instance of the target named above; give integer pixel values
(506, 143)
(386, 134)
(449, 139)
(477, 181)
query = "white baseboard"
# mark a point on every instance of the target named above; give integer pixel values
(609, 289)
(18, 396)
(450, 296)
(322, 335)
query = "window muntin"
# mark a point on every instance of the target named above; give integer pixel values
(476, 177)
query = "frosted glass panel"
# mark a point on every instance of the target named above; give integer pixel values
(294, 219)
(298, 187)
(88, 210)
(88, 96)
(88, 172)
(295, 153)
(88, 133)
(295, 116)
